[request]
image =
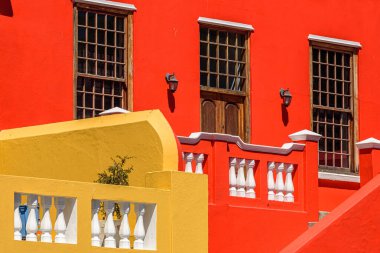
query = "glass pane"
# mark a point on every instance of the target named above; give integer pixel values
(203, 49)
(118, 89)
(212, 35)
(91, 51)
(81, 49)
(91, 19)
(120, 24)
(101, 68)
(120, 55)
(99, 102)
(120, 71)
(88, 85)
(80, 83)
(110, 69)
(231, 53)
(212, 50)
(89, 100)
(222, 52)
(222, 82)
(81, 18)
(101, 37)
(232, 39)
(110, 54)
(241, 40)
(91, 67)
(107, 102)
(213, 80)
(81, 66)
(223, 67)
(107, 87)
(110, 22)
(98, 86)
(203, 34)
(213, 65)
(203, 79)
(101, 19)
(81, 34)
(120, 39)
(79, 99)
(91, 35)
(204, 64)
(222, 37)
(79, 113)
(110, 38)
(117, 102)
(100, 53)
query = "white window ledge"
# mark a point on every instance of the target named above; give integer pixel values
(338, 177)
(109, 4)
(227, 24)
(346, 43)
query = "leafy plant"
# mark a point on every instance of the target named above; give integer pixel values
(115, 174)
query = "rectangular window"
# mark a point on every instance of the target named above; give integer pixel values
(224, 81)
(102, 58)
(333, 115)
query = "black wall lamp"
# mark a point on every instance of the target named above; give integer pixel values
(286, 96)
(172, 82)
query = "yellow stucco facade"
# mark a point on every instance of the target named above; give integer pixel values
(63, 159)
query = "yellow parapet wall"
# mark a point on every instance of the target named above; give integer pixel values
(180, 199)
(77, 150)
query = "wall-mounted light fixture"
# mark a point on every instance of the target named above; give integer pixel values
(172, 82)
(286, 96)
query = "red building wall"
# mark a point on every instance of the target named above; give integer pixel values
(36, 61)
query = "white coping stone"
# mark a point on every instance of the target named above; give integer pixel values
(115, 110)
(111, 4)
(305, 135)
(224, 23)
(335, 41)
(287, 148)
(338, 177)
(369, 143)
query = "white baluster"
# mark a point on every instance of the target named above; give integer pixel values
(280, 183)
(232, 176)
(31, 224)
(46, 225)
(188, 158)
(240, 180)
(139, 231)
(250, 183)
(60, 223)
(199, 158)
(17, 218)
(289, 187)
(270, 179)
(95, 225)
(124, 231)
(109, 227)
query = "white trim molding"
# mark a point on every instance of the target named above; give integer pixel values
(287, 148)
(109, 4)
(338, 177)
(224, 23)
(340, 42)
(368, 143)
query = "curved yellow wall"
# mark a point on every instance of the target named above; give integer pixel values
(77, 150)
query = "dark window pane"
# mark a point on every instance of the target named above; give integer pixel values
(338, 160)
(91, 35)
(321, 129)
(212, 65)
(101, 37)
(232, 39)
(323, 99)
(204, 79)
(222, 52)
(329, 131)
(81, 66)
(98, 86)
(322, 158)
(110, 38)
(80, 83)
(315, 54)
(231, 53)
(110, 22)
(203, 49)
(213, 80)
(81, 18)
(91, 67)
(120, 71)
(331, 100)
(120, 24)
(118, 89)
(107, 102)
(315, 69)
(101, 18)
(223, 67)
(345, 161)
(79, 99)
(223, 82)
(91, 19)
(222, 37)
(212, 50)
(316, 98)
(231, 68)
(99, 102)
(120, 40)
(117, 102)
(79, 113)
(110, 54)
(81, 34)
(91, 51)
(108, 87)
(203, 34)
(347, 74)
(100, 52)
(338, 59)
(323, 70)
(204, 64)
(120, 55)
(338, 73)
(331, 86)
(329, 116)
(81, 49)
(101, 68)
(89, 100)
(347, 60)
(241, 40)
(212, 35)
(330, 159)
(331, 57)
(323, 56)
(88, 84)
(323, 84)
(339, 101)
(110, 69)
(89, 113)
(331, 72)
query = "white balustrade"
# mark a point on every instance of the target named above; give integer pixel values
(17, 218)
(31, 224)
(60, 223)
(270, 180)
(46, 225)
(139, 231)
(240, 180)
(232, 177)
(95, 225)
(250, 182)
(109, 228)
(199, 158)
(279, 187)
(124, 231)
(289, 187)
(188, 159)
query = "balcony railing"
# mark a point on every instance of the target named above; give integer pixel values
(255, 175)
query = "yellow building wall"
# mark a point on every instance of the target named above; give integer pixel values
(78, 150)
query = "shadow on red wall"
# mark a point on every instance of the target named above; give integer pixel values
(6, 8)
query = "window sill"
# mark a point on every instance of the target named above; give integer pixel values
(338, 177)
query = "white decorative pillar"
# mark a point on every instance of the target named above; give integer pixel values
(46, 225)
(289, 187)
(188, 159)
(199, 158)
(240, 180)
(232, 176)
(109, 227)
(60, 223)
(124, 231)
(31, 224)
(280, 183)
(270, 179)
(250, 183)
(139, 231)
(17, 218)
(95, 225)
